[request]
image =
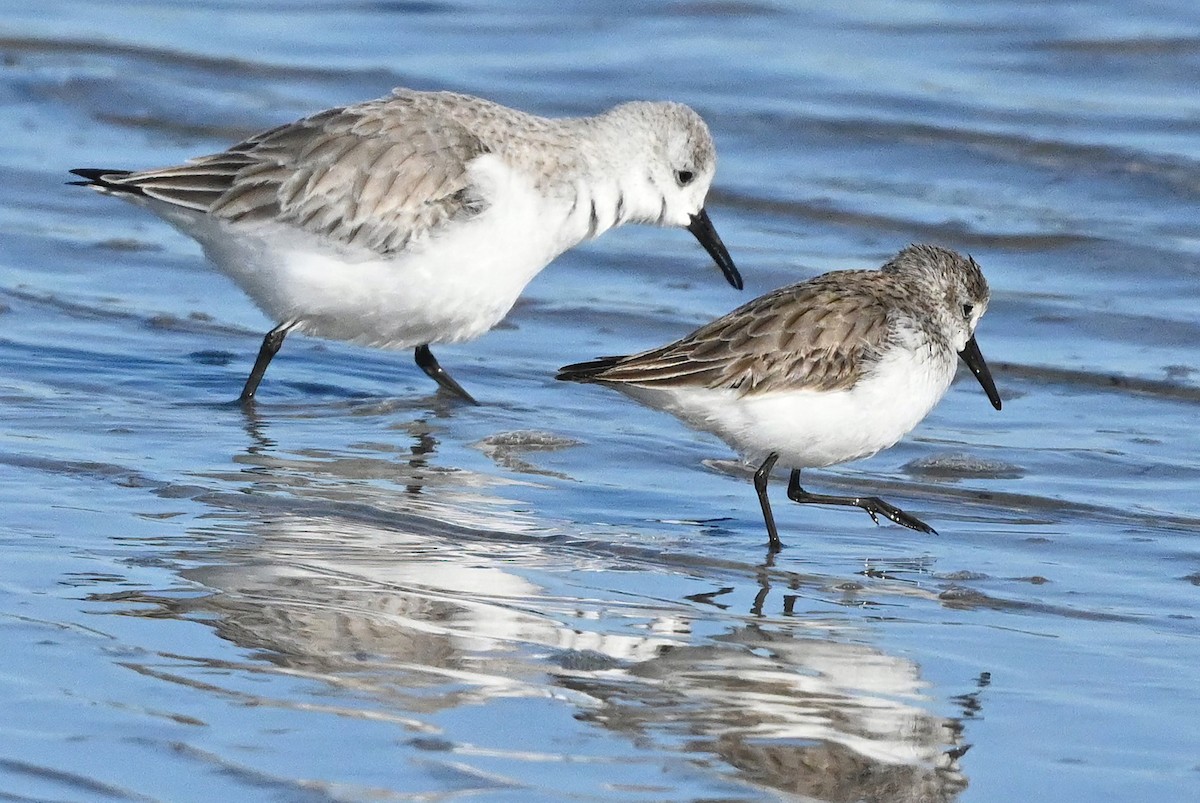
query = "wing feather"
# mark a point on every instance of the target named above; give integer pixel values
(376, 174)
(814, 335)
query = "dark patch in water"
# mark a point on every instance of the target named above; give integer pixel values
(209, 357)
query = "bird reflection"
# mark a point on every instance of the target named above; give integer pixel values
(424, 445)
(824, 719)
(437, 598)
(421, 623)
(255, 428)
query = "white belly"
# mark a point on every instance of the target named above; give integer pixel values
(811, 429)
(451, 286)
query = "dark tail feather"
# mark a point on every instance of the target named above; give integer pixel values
(587, 371)
(102, 178)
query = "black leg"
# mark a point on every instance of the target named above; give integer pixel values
(872, 504)
(270, 347)
(437, 373)
(760, 485)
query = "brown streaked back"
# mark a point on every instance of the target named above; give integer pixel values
(822, 334)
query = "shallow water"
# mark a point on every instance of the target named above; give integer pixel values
(364, 591)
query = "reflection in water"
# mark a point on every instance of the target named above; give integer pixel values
(349, 583)
(827, 719)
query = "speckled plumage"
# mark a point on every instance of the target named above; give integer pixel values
(822, 334)
(381, 173)
(829, 370)
(418, 218)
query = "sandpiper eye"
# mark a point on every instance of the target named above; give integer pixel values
(968, 309)
(684, 177)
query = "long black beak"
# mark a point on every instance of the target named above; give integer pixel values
(702, 229)
(974, 360)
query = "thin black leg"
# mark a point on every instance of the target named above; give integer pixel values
(270, 347)
(760, 485)
(872, 504)
(437, 373)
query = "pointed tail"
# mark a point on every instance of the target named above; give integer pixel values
(104, 180)
(589, 371)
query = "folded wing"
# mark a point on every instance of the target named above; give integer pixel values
(378, 175)
(806, 336)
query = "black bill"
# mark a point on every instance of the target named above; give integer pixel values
(974, 360)
(702, 229)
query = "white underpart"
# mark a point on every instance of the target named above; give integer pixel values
(812, 429)
(445, 288)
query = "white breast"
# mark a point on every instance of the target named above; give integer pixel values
(452, 285)
(811, 429)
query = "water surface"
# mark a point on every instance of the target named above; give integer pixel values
(365, 591)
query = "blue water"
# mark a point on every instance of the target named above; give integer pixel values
(364, 591)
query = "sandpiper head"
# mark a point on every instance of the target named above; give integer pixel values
(680, 163)
(960, 297)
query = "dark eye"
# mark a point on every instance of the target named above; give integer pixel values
(968, 309)
(684, 177)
